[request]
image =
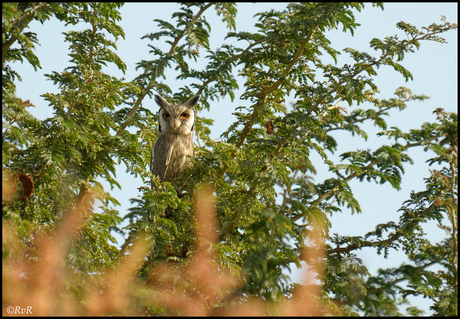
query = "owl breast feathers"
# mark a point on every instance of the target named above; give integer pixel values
(175, 138)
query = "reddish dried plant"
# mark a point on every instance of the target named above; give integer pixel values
(201, 288)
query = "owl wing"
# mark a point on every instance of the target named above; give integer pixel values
(158, 159)
(168, 159)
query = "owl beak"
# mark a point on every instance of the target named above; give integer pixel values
(176, 124)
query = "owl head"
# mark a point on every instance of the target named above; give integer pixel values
(176, 119)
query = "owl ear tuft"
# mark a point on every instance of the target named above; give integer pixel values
(159, 125)
(194, 117)
(193, 101)
(160, 101)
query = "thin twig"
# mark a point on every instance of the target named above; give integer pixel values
(152, 82)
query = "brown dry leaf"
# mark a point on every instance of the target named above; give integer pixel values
(270, 127)
(27, 185)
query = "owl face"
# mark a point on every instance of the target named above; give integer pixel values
(176, 119)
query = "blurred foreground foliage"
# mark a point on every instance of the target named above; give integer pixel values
(265, 214)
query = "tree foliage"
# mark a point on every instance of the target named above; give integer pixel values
(268, 206)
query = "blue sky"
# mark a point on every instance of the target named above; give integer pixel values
(434, 68)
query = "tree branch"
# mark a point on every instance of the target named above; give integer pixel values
(401, 232)
(262, 97)
(194, 20)
(230, 60)
(152, 82)
(38, 6)
(417, 270)
(12, 39)
(274, 86)
(330, 193)
(263, 94)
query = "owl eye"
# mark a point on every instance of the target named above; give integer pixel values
(166, 115)
(185, 115)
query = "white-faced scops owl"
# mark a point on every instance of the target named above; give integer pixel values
(175, 139)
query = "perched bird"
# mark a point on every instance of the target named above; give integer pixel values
(175, 139)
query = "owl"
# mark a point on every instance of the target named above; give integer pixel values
(175, 139)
